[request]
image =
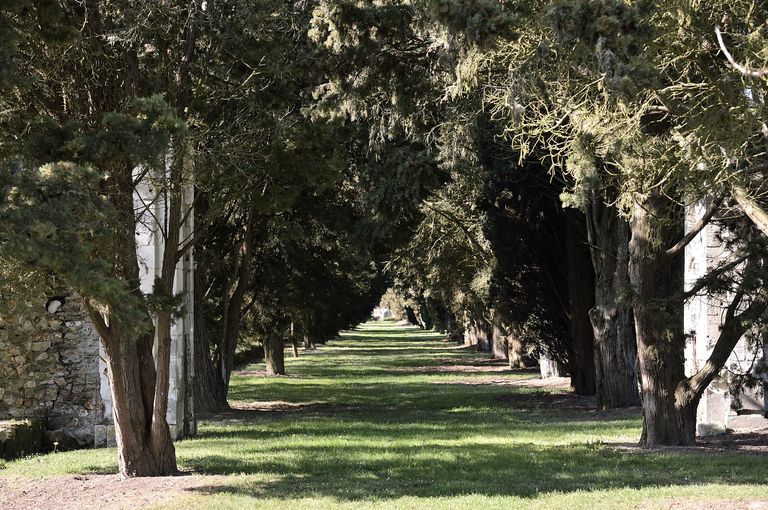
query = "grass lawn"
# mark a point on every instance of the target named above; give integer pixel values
(392, 417)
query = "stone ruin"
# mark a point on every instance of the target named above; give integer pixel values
(52, 364)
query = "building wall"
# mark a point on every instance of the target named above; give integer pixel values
(703, 319)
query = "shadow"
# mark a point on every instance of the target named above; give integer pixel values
(355, 425)
(353, 473)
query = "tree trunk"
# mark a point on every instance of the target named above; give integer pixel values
(274, 355)
(143, 450)
(581, 298)
(656, 281)
(308, 344)
(233, 310)
(294, 340)
(411, 316)
(307, 331)
(143, 439)
(611, 316)
(500, 349)
(210, 392)
(484, 337)
(518, 357)
(455, 329)
(160, 437)
(515, 349)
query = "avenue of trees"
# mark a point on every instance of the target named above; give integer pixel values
(517, 168)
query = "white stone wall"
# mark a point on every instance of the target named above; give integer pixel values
(152, 210)
(703, 319)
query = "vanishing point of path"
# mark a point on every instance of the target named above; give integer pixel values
(392, 417)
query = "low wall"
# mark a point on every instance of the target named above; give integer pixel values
(49, 371)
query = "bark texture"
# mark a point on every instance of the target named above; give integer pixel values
(233, 309)
(209, 389)
(143, 439)
(581, 298)
(274, 355)
(656, 280)
(611, 316)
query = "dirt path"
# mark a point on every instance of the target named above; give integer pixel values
(102, 492)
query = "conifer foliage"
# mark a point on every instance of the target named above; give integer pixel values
(516, 171)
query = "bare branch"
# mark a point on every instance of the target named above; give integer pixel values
(746, 71)
(712, 277)
(734, 327)
(698, 227)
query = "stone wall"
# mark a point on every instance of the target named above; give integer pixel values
(49, 370)
(704, 316)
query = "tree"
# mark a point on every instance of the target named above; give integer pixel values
(627, 100)
(92, 132)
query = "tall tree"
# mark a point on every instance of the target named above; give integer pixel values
(93, 131)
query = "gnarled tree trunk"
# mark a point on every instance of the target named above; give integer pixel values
(657, 285)
(139, 396)
(144, 444)
(611, 316)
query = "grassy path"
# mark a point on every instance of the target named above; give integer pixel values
(392, 417)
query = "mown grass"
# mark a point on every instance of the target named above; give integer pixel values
(386, 417)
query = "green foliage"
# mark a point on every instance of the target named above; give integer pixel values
(56, 190)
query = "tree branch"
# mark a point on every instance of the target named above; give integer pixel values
(746, 71)
(456, 221)
(755, 213)
(712, 276)
(698, 227)
(734, 327)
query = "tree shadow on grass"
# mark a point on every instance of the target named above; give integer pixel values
(523, 470)
(377, 433)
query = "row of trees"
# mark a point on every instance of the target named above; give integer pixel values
(329, 140)
(101, 99)
(559, 126)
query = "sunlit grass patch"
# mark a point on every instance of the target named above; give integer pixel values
(372, 424)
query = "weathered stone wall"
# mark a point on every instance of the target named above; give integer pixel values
(49, 370)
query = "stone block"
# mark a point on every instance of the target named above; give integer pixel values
(104, 435)
(748, 423)
(706, 429)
